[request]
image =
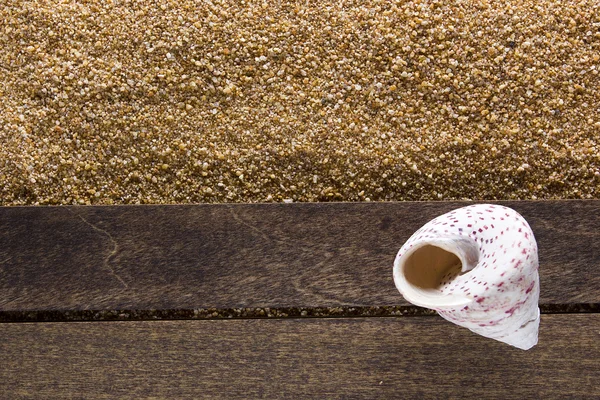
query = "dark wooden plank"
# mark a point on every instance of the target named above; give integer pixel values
(254, 255)
(421, 357)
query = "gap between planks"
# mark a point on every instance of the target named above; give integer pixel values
(254, 313)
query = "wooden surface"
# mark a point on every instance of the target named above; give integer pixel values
(166, 262)
(255, 255)
(372, 358)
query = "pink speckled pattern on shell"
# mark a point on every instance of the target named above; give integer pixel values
(497, 296)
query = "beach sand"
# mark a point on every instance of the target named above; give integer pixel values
(127, 102)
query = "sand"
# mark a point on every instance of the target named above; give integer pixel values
(127, 102)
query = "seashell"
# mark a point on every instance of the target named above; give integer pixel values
(477, 266)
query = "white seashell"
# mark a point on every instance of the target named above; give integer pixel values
(477, 266)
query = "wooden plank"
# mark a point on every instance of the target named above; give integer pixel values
(254, 255)
(424, 358)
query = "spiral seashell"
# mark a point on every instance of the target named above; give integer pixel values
(477, 266)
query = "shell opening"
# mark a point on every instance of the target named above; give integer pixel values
(432, 269)
(425, 276)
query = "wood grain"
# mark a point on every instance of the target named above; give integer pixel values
(255, 255)
(421, 357)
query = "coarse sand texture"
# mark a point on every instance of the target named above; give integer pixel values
(120, 102)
